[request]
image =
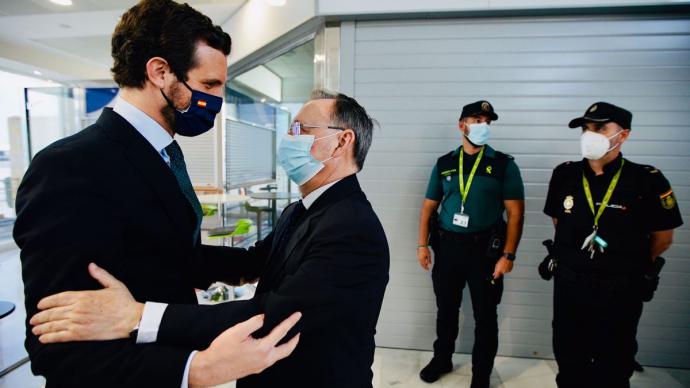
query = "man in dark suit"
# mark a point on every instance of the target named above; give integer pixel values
(118, 194)
(328, 258)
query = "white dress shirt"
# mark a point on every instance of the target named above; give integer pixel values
(149, 128)
(153, 312)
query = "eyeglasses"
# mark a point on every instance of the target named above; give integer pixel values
(296, 127)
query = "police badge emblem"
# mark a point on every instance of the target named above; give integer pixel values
(568, 204)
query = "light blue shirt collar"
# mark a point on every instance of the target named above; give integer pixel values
(153, 132)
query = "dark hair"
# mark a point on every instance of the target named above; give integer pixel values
(347, 113)
(161, 28)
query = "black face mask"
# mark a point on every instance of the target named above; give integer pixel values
(200, 116)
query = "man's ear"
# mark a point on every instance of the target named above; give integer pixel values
(624, 135)
(156, 70)
(462, 126)
(345, 141)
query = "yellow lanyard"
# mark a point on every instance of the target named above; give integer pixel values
(464, 190)
(607, 197)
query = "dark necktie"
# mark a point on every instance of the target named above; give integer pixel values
(179, 169)
(291, 224)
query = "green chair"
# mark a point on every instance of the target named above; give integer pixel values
(209, 210)
(241, 227)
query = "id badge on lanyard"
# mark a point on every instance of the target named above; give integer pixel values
(462, 219)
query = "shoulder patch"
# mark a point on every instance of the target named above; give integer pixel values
(668, 200)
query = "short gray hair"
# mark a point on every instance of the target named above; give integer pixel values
(347, 113)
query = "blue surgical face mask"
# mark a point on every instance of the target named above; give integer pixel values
(294, 156)
(479, 133)
(200, 116)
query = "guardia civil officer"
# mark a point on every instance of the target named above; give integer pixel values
(613, 219)
(473, 245)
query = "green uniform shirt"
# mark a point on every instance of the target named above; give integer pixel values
(484, 203)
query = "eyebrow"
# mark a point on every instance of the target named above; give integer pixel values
(212, 81)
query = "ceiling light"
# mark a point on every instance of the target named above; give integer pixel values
(276, 3)
(263, 100)
(36, 72)
(62, 2)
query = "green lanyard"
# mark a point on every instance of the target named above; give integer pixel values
(607, 197)
(464, 190)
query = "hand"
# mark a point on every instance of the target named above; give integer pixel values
(503, 266)
(106, 314)
(424, 257)
(235, 353)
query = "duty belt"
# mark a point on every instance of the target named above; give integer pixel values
(597, 281)
(464, 237)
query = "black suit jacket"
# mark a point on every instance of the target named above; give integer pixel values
(334, 270)
(106, 195)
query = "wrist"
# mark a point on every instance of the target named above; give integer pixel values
(420, 246)
(136, 317)
(509, 256)
(199, 370)
(132, 322)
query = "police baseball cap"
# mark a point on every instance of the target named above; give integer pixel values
(480, 107)
(603, 112)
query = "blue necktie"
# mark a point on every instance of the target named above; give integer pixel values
(179, 168)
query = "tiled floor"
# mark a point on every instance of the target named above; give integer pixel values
(12, 326)
(400, 368)
(392, 367)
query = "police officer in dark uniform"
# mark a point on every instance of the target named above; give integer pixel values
(613, 220)
(473, 185)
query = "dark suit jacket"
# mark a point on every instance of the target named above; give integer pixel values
(334, 270)
(106, 195)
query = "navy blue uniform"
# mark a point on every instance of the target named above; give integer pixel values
(597, 300)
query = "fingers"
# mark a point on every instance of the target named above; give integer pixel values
(282, 329)
(52, 314)
(51, 327)
(106, 279)
(246, 328)
(60, 336)
(57, 300)
(285, 349)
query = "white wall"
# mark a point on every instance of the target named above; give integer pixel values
(257, 24)
(12, 100)
(362, 7)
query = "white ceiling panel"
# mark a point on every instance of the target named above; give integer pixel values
(79, 33)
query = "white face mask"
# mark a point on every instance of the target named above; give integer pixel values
(479, 133)
(595, 146)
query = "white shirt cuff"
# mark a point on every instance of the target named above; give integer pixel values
(185, 377)
(150, 322)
